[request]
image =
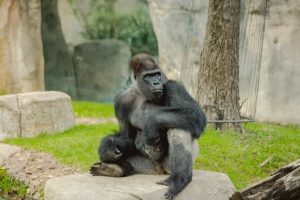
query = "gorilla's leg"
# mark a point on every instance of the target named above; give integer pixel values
(136, 164)
(183, 150)
(106, 169)
(143, 165)
(155, 152)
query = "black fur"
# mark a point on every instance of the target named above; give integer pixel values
(114, 148)
(162, 122)
(179, 111)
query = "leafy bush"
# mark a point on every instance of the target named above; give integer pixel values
(103, 22)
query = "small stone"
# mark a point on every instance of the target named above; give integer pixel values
(28, 172)
(39, 167)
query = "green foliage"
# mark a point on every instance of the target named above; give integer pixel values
(103, 22)
(237, 155)
(2, 92)
(92, 109)
(9, 188)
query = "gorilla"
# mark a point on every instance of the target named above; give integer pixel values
(160, 124)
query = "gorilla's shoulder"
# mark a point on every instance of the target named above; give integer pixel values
(175, 87)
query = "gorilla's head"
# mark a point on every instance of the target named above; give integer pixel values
(148, 76)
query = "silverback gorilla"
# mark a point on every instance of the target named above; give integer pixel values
(160, 124)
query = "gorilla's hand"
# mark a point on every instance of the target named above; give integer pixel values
(153, 152)
(151, 132)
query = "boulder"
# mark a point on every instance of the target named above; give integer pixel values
(9, 117)
(21, 50)
(101, 69)
(205, 185)
(6, 151)
(29, 114)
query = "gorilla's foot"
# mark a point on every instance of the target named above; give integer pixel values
(164, 182)
(105, 169)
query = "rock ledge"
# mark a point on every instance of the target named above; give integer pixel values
(205, 185)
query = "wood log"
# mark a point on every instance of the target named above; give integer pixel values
(282, 185)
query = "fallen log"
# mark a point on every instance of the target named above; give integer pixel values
(282, 185)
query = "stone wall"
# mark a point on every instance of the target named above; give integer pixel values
(279, 89)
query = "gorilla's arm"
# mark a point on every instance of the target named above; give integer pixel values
(124, 105)
(181, 112)
(115, 147)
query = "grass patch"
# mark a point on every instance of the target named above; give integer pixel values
(9, 188)
(237, 155)
(93, 109)
(240, 156)
(2, 92)
(77, 146)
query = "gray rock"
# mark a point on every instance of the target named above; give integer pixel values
(21, 50)
(279, 91)
(6, 151)
(29, 114)
(9, 117)
(205, 185)
(48, 112)
(101, 69)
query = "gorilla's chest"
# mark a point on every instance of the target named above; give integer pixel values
(141, 114)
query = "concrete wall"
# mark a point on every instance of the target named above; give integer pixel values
(279, 89)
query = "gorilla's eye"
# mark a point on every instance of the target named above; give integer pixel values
(147, 76)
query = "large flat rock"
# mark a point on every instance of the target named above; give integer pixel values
(32, 113)
(6, 151)
(205, 185)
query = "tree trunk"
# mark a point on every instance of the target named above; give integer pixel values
(218, 89)
(59, 70)
(283, 185)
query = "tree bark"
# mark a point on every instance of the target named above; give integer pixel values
(282, 185)
(59, 69)
(218, 89)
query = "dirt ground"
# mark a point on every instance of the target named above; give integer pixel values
(35, 168)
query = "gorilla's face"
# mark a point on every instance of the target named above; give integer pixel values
(150, 84)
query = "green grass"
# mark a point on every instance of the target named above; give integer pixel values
(240, 156)
(237, 155)
(77, 146)
(92, 109)
(2, 92)
(9, 188)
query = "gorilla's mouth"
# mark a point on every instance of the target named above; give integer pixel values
(157, 92)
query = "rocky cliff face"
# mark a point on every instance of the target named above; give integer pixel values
(21, 53)
(180, 29)
(279, 91)
(272, 45)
